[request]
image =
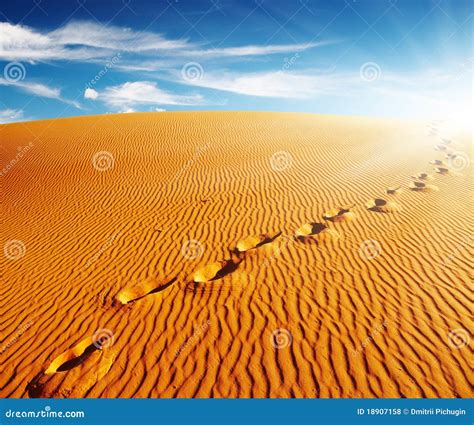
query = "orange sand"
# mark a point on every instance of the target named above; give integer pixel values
(102, 302)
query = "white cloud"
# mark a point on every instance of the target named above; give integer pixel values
(10, 115)
(92, 34)
(425, 94)
(256, 50)
(88, 41)
(90, 94)
(160, 110)
(40, 90)
(78, 40)
(144, 93)
(25, 44)
(265, 84)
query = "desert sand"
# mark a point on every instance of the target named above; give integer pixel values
(142, 257)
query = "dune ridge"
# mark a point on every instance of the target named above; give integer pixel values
(368, 313)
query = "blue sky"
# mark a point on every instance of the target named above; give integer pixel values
(405, 58)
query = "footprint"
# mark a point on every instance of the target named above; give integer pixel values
(446, 141)
(393, 190)
(319, 230)
(216, 270)
(254, 241)
(422, 187)
(234, 284)
(442, 170)
(441, 147)
(423, 176)
(339, 214)
(142, 289)
(381, 205)
(439, 161)
(74, 372)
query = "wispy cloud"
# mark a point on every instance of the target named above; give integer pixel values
(266, 84)
(86, 41)
(255, 50)
(78, 40)
(40, 90)
(10, 115)
(130, 94)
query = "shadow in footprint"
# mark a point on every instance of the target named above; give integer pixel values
(74, 371)
(422, 187)
(422, 176)
(143, 289)
(442, 170)
(309, 229)
(208, 275)
(339, 214)
(381, 205)
(314, 233)
(69, 364)
(230, 267)
(254, 241)
(393, 190)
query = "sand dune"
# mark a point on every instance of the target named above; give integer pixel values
(120, 276)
